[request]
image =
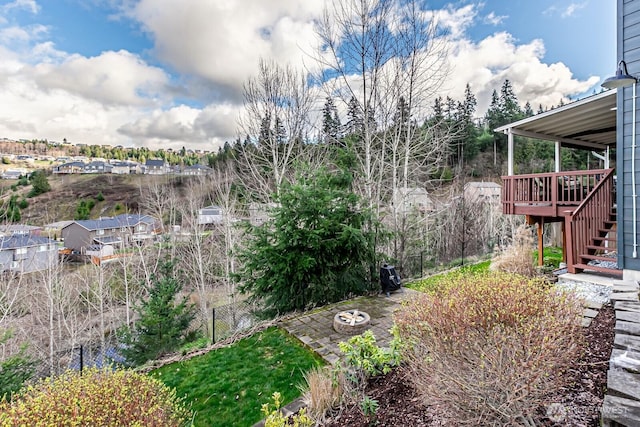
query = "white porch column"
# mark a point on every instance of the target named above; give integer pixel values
(557, 156)
(509, 153)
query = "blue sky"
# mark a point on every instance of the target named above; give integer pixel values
(160, 74)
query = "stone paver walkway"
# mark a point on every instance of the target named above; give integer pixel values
(315, 328)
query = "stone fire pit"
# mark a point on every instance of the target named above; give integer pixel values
(351, 322)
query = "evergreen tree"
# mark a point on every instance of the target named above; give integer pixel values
(330, 122)
(39, 183)
(163, 324)
(528, 111)
(469, 131)
(314, 249)
(355, 118)
(265, 129)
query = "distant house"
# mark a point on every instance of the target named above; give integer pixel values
(27, 254)
(412, 199)
(69, 168)
(483, 191)
(196, 170)
(156, 167)
(19, 229)
(118, 231)
(14, 173)
(126, 168)
(210, 215)
(97, 167)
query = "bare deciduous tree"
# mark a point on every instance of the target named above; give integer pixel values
(277, 104)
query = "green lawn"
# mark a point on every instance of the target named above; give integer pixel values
(227, 387)
(551, 256)
(431, 283)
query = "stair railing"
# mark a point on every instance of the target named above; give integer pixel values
(584, 223)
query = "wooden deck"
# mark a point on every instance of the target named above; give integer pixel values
(549, 195)
(582, 200)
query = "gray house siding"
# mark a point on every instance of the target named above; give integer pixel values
(76, 236)
(628, 49)
(34, 254)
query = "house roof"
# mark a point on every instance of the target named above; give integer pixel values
(155, 162)
(123, 220)
(23, 240)
(589, 123)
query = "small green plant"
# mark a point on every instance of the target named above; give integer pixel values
(100, 197)
(275, 418)
(369, 406)
(362, 353)
(118, 207)
(23, 204)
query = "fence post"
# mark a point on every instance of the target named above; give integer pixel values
(213, 325)
(421, 265)
(81, 359)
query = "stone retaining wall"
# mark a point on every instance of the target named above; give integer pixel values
(621, 406)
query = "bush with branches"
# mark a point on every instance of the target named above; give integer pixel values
(96, 397)
(517, 258)
(492, 349)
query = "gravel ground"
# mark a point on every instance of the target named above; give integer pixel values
(588, 291)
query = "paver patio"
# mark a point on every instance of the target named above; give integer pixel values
(315, 328)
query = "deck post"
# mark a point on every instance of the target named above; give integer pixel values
(541, 241)
(509, 153)
(557, 155)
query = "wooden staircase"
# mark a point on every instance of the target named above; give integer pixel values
(591, 230)
(604, 241)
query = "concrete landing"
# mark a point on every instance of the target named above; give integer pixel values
(587, 278)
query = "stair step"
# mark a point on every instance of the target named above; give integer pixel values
(605, 230)
(597, 257)
(610, 222)
(607, 238)
(612, 271)
(600, 248)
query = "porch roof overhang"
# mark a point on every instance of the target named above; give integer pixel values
(589, 123)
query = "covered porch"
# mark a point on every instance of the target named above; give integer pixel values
(583, 202)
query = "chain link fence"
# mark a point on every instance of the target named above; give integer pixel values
(231, 318)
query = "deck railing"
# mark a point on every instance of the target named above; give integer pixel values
(551, 191)
(588, 220)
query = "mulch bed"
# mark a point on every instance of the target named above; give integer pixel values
(580, 401)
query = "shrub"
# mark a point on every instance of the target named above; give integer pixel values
(490, 350)
(14, 370)
(275, 418)
(23, 204)
(362, 353)
(97, 397)
(517, 258)
(100, 197)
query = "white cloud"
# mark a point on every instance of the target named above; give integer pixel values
(565, 12)
(29, 5)
(485, 66)
(494, 19)
(222, 42)
(455, 21)
(111, 78)
(211, 48)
